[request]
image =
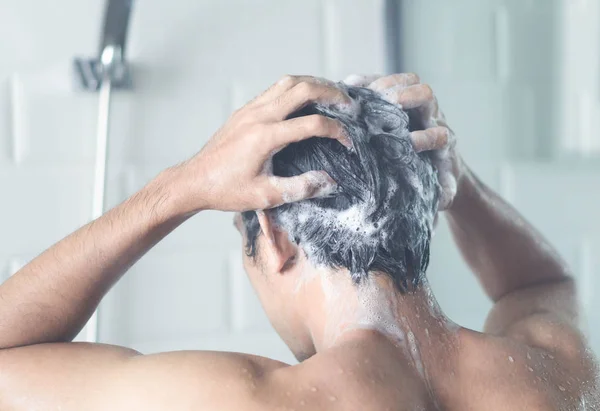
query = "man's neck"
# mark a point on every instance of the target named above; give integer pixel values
(412, 321)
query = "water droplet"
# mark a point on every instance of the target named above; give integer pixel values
(560, 387)
(528, 356)
(511, 359)
(530, 369)
(550, 356)
(244, 370)
(302, 402)
(313, 389)
(340, 371)
(332, 398)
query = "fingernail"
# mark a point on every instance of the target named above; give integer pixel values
(326, 190)
(322, 184)
(270, 238)
(347, 141)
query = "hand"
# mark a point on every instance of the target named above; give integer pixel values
(233, 172)
(434, 134)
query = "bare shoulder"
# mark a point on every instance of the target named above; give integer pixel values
(532, 345)
(95, 376)
(195, 380)
(512, 372)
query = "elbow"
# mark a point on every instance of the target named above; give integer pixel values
(562, 280)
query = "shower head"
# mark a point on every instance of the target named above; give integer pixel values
(110, 64)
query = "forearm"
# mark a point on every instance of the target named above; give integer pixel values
(52, 297)
(505, 251)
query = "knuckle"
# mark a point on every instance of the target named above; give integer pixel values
(444, 136)
(413, 77)
(305, 88)
(304, 185)
(273, 197)
(270, 197)
(242, 116)
(256, 131)
(318, 123)
(379, 84)
(427, 91)
(287, 80)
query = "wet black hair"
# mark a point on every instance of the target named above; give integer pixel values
(380, 219)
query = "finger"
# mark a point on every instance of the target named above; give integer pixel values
(265, 226)
(312, 184)
(304, 93)
(302, 128)
(361, 80)
(284, 84)
(435, 138)
(448, 189)
(418, 96)
(402, 80)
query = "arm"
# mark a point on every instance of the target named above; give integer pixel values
(51, 298)
(534, 295)
(503, 250)
(519, 270)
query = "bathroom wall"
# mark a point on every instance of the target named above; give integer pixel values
(195, 61)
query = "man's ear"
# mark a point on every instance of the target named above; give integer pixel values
(281, 251)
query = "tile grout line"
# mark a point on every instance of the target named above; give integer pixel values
(16, 123)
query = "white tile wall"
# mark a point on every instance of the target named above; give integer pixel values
(44, 105)
(41, 204)
(5, 124)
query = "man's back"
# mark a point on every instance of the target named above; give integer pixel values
(472, 372)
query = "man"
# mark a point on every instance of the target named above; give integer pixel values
(360, 318)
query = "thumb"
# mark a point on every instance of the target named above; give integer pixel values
(312, 184)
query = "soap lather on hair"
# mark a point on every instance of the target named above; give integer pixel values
(380, 219)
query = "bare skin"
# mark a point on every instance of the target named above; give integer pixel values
(532, 355)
